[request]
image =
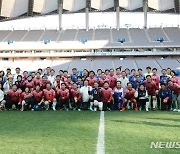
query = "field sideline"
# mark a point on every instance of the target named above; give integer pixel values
(77, 132)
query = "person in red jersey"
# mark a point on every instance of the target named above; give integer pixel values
(69, 83)
(13, 98)
(76, 97)
(57, 83)
(152, 90)
(175, 88)
(26, 99)
(65, 76)
(174, 78)
(155, 77)
(29, 83)
(44, 82)
(63, 97)
(107, 96)
(129, 97)
(112, 79)
(92, 79)
(37, 97)
(49, 96)
(103, 79)
(118, 72)
(37, 80)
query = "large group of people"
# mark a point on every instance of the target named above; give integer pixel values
(104, 90)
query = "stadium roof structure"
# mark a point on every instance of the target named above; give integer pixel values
(15, 8)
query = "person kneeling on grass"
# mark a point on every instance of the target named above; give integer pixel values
(142, 98)
(129, 97)
(118, 96)
(166, 97)
(37, 98)
(49, 96)
(107, 96)
(13, 98)
(2, 101)
(95, 98)
(63, 97)
(76, 97)
(26, 100)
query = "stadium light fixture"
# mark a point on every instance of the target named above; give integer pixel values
(46, 41)
(10, 42)
(160, 39)
(122, 40)
(84, 40)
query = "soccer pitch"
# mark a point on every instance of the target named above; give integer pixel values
(77, 132)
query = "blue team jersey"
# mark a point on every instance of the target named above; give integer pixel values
(132, 79)
(165, 93)
(95, 93)
(136, 84)
(164, 79)
(74, 77)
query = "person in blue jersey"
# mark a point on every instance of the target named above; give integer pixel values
(132, 77)
(165, 95)
(98, 75)
(118, 97)
(140, 73)
(79, 82)
(95, 99)
(137, 82)
(164, 78)
(74, 75)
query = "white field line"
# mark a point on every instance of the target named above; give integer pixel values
(100, 143)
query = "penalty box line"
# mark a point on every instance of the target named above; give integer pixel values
(100, 143)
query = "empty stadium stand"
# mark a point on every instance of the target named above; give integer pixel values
(132, 36)
(94, 63)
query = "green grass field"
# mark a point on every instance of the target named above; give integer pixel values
(77, 132)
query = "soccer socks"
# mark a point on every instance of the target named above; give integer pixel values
(54, 106)
(147, 106)
(154, 104)
(91, 105)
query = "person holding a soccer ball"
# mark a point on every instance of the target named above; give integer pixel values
(165, 96)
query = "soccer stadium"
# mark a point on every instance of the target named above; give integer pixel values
(89, 76)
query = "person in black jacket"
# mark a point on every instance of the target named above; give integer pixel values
(142, 98)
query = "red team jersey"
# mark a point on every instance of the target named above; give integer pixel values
(29, 84)
(175, 80)
(14, 95)
(63, 94)
(49, 95)
(106, 94)
(75, 93)
(175, 88)
(150, 87)
(37, 81)
(69, 85)
(24, 96)
(92, 81)
(112, 81)
(43, 84)
(156, 79)
(129, 94)
(101, 81)
(37, 96)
